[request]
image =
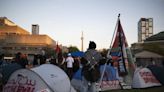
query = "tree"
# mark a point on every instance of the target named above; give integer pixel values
(73, 49)
(49, 52)
(104, 52)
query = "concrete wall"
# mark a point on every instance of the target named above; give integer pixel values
(12, 30)
(29, 39)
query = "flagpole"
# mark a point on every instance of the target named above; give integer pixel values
(113, 35)
(57, 53)
(108, 56)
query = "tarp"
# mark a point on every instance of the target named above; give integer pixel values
(77, 54)
(110, 79)
(45, 78)
(144, 78)
(78, 74)
(158, 72)
(77, 80)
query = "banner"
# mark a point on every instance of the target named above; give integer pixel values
(118, 50)
(110, 79)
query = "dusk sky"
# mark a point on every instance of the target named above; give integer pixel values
(64, 20)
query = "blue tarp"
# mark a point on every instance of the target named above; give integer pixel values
(110, 73)
(77, 54)
(78, 75)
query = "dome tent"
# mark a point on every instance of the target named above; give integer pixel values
(144, 78)
(45, 78)
(7, 70)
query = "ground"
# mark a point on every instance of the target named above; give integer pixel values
(154, 89)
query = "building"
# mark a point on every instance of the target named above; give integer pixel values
(145, 28)
(8, 27)
(157, 39)
(145, 58)
(14, 39)
(35, 29)
(151, 51)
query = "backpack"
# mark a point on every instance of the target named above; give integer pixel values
(91, 69)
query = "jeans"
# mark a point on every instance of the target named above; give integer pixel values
(88, 86)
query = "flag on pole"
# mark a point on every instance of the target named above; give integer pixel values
(57, 50)
(118, 50)
(118, 74)
(121, 55)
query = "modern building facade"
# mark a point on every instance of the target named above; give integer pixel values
(145, 28)
(14, 39)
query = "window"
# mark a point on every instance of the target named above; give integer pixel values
(147, 24)
(143, 29)
(151, 24)
(143, 36)
(143, 23)
(147, 32)
(150, 30)
(7, 48)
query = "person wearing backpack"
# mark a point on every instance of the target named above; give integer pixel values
(90, 70)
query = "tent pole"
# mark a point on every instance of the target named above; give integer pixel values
(108, 56)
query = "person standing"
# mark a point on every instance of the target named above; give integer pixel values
(21, 59)
(93, 57)
(70, 62)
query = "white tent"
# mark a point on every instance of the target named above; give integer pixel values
(45, 78)
(144, 78)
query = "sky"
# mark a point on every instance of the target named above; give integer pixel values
(64, 20)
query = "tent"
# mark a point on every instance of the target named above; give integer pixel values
(144, 78)
(8, 69)
(45, 78)
(158, 72)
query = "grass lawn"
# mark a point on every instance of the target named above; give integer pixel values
(154, 89)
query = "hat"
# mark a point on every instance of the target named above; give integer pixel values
(69, 54)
